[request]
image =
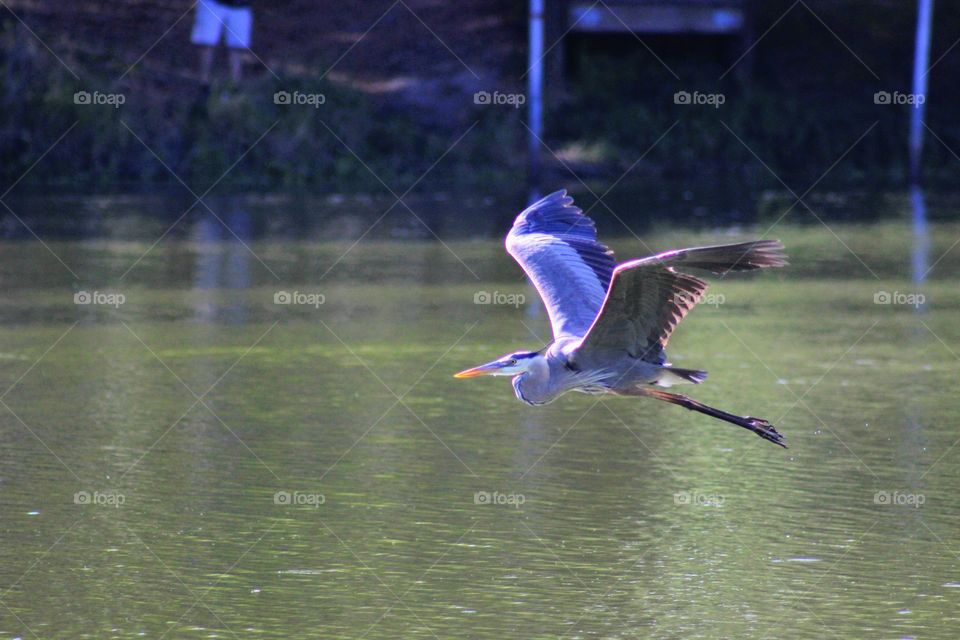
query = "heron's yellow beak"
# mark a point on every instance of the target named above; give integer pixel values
(482, 370)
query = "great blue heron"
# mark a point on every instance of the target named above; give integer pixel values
(611, 322)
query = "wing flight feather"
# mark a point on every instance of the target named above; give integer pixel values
(558, 249)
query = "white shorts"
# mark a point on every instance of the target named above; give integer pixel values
(214, 20)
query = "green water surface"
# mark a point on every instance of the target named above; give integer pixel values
(202, 462)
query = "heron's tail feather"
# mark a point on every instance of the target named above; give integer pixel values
(743, 256)
(676, 375)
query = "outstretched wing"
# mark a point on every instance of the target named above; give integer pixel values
(644, 305)
(648, 298)
(558, 249)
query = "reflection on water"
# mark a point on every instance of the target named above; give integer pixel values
(223, 255)
(921, 235)
(297, 470)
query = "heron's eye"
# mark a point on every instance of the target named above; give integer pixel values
(513, 362)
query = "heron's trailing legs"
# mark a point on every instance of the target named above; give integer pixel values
(758, 425)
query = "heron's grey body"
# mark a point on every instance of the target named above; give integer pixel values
(612, 322)
(560, 368)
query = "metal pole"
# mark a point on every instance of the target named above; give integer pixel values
(535, 96)
(921, 60)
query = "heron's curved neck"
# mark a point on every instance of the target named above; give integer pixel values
(533, 385)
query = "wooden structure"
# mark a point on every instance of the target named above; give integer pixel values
(717, 17)
(730, 19)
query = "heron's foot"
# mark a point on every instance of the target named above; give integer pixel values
(764, 429)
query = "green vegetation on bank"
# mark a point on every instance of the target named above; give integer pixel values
(201, 134)
(791, 118)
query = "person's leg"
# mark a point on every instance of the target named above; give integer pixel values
(206, 64)
(206, 33)
(238, 27)
(236, 64)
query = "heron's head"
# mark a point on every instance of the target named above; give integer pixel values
(509, 365)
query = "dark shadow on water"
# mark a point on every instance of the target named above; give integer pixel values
(629, 208)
